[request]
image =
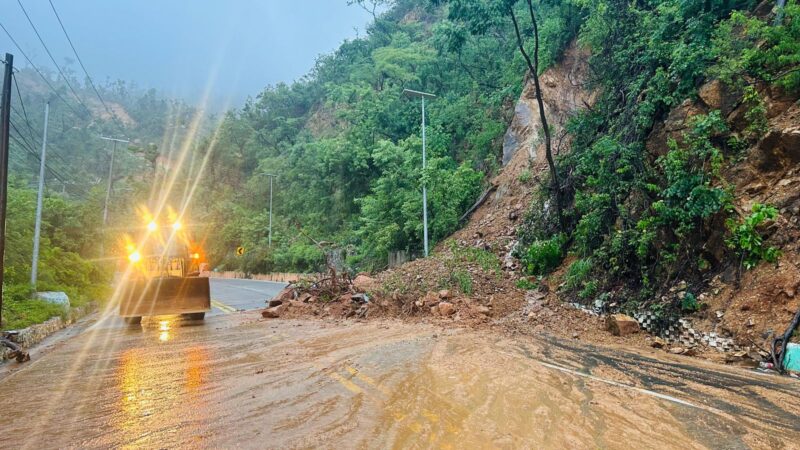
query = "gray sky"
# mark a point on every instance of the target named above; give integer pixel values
(229, 48)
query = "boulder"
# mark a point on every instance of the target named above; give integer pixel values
(621, 325)
(446, 308)
(364, 283)
(274, 302)
(270, 313)
(54, 297)
(658, 343)
(430, 299)
(444, 294)
(275, 311)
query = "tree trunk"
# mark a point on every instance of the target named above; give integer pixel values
(533, 68)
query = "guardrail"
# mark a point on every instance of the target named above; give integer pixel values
(286, 277)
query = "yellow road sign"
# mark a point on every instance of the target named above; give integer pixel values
(239, 251)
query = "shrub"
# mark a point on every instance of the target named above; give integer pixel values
(543, 256)
(577, 273)
(748, 242)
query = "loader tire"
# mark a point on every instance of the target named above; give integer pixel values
(195, 316)
(133, 320)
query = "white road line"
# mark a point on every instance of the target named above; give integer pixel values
(637, 389)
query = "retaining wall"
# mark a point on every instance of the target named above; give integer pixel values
(34, 334)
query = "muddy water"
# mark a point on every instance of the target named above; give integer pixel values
(238, 381)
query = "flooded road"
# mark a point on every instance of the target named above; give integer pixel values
(237, 380)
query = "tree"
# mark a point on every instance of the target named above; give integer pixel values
(533, 67)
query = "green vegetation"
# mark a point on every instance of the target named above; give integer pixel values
(642, 216)
(346, 143)
(543, 256)
(67, 231)
(746, 239)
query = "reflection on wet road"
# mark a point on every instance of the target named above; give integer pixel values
(237, 380)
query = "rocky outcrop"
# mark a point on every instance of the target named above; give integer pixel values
(563, 94)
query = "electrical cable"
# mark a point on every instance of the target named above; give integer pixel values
(80, 61)
(44, 78)
(47, 50)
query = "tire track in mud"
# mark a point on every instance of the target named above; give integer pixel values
(771, 404)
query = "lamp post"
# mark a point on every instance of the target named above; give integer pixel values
(423, 96)
(271, 176)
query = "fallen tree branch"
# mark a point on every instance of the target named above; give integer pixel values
(478, 203)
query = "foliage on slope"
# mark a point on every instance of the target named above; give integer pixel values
(346, 144)
(640, 219)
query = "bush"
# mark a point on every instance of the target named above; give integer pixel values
(544, 255)
(748, 242)
(577, 273)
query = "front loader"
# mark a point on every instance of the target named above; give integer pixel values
(163, 276)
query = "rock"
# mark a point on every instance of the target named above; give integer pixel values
(483, 309)
(575, 335)
(270, 313)
(364, 283)
(621, 325)
(54, 297)
(274, 302)
(446, 308)
(717, 95)
(677, 350)
(435, 310)
(285, 295)
(444, 294)
(430, 299)
(658, 343)
(304, 297)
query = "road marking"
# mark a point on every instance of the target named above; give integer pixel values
(637, 389)
(223, 307)
(352, 387)
(357, 373)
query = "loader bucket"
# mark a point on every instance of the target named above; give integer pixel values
(159, 296)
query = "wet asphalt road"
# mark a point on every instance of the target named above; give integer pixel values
(241, 295)
(239, 381)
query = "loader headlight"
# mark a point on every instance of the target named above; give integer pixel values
(195, 255)
(176, 226)
(135, 257)
(152, 226)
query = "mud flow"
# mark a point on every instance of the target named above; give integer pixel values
(237, 381)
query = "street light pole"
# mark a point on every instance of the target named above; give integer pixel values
(423, 96)
(39, 198)
(271, 176)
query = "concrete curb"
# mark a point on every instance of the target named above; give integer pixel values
(34, 334)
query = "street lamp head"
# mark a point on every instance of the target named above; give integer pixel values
(413, 93)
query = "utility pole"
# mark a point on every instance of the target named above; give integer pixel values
(423, 96)
(38, 227)
(5, 116)
(110, 175)
(271, 176)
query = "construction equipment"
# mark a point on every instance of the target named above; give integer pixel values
(163, 274)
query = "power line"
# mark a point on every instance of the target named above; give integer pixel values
(57, 175)
(91, 83)
(50, 85)
(24, 111)
(66, 80)
(27, 146)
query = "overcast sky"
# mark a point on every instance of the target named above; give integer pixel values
(233, 48)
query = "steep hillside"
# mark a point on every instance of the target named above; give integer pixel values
(682, 209)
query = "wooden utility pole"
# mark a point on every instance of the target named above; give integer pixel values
(5, 117)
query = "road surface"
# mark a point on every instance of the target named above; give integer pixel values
(240, 381)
